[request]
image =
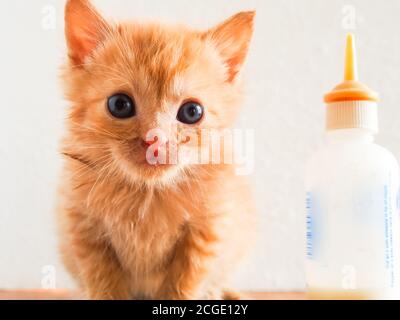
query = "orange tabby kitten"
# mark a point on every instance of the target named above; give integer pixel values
(133, 230)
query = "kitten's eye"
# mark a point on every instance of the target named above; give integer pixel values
(121, 106)
(190, 113)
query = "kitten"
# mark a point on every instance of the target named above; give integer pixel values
(132, 230)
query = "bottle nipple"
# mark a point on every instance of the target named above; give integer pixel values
(351, 89)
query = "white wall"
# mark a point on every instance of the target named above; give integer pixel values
(295, 58)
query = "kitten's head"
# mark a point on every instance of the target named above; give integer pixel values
(126, 80)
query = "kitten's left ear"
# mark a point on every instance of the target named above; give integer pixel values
(84, 29)
(232, 40)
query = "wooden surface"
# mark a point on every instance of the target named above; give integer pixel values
(68, 295)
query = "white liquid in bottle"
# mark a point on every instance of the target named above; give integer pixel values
(353, 224)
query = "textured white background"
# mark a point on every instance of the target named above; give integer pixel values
(296, 57)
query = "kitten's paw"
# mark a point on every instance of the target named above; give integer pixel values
(213, 295)
(232, 295)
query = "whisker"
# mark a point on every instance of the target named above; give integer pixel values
(97, 130)
(85, 168)
(101, 173)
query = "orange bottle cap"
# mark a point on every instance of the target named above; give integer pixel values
(351, 89)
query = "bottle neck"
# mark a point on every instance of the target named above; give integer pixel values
(351, 135)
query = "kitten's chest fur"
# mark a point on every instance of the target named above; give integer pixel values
(144, 235)
(144, 227)
(144, 224)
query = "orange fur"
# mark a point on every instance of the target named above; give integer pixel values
(131, 230)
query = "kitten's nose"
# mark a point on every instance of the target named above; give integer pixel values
(148, 143)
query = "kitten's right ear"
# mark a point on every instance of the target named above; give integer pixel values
(84, 29)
